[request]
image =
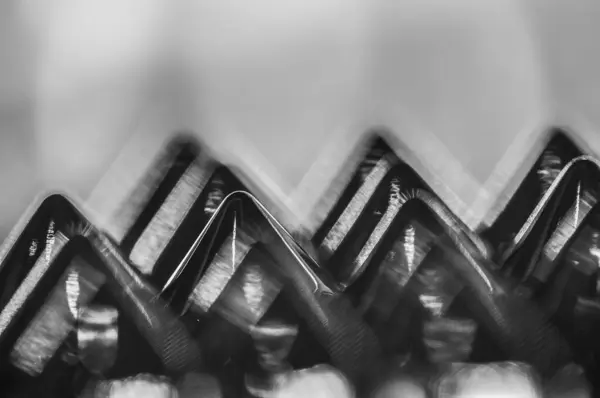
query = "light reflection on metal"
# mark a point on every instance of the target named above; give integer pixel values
(501, 379)
(33, 248)
(167, 220)
(249, 293)
(53, 247)
(409, 247)
(215, 195)
(517, 241)
(396, 269)
(549, 169)
(273, 342)
(73, 290)
(433, 303)
(53, 321)
(142, 385)
(395, 202)
(468, 244)
(234, 241)
(282, 234)
(569, 223)
(253, 289)
(50, 238)
(97, 338)
(344, 223)
(219, 272)
(594, 247)
(595, 252)
(577, 197)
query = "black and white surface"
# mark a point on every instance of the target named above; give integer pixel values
(468, 88)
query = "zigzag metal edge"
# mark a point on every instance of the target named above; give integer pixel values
(297, 209)
(521, 157)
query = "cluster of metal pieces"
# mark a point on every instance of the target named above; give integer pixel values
(198, 290)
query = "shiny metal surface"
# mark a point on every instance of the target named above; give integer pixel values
(273, 341)
(543, 203)
(282, 233)
(97, 338)
(489, 380)
(335, 323)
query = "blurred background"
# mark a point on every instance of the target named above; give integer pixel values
(285, 88)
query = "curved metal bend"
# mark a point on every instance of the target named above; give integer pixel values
(163, 331)
(24, 220)
(284, 236)
(543, 203)
(460, 236)
(442, 211)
